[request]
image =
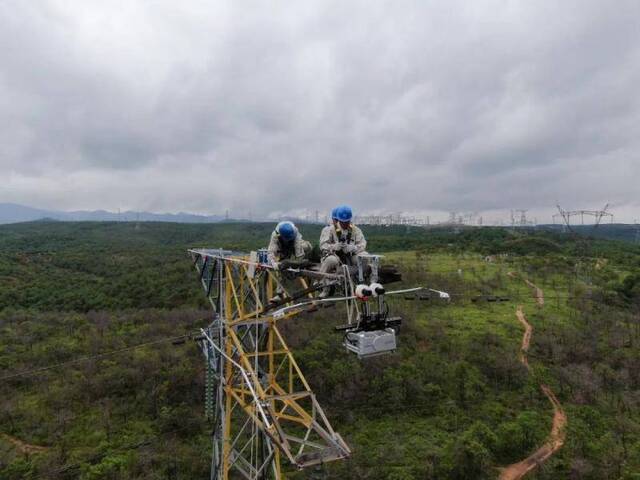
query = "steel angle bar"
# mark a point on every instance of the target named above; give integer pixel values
(235, 464)
(241, 431)
(290, 396)
(212, 277)
(245, 376)
(305, 442)
(253, 472)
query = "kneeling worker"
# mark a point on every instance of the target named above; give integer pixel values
(286, 244)
(340, 243)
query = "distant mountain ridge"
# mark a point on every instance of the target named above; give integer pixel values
(14, 213)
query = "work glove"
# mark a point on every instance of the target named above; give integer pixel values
(337, 247)
(350, 248)
(284, 265)
(302, 263)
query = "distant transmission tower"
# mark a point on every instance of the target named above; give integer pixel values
(519, 218)
(523, 217)
(597, 214)
(262, 407)
(584, 264)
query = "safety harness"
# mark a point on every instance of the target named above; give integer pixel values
(343, 237)
(340, 234)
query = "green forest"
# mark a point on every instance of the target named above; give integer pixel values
(95, 384)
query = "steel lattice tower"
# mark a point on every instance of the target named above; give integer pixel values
(262, 407)
(598, 215)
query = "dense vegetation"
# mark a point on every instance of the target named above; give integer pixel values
(454, 402)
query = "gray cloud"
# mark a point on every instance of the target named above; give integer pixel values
(415, 106)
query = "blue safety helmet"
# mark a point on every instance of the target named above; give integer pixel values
(334, 214)
(344, 213)
(286, 230)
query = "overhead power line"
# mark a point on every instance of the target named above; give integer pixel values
(55, 473)
(91, 357)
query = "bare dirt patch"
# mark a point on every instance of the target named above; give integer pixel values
(21, 446)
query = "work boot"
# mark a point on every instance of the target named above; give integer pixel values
(276, 298)
(326, 292)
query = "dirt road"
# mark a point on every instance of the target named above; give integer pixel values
(538, 294)
(526, 337)
(556, 437)
(21, 446)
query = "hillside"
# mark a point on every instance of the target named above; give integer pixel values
(454, 402)
(14, 213)
(616, 231)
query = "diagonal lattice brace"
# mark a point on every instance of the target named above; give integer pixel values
(265, 408)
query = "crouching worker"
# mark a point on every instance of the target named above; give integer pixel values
(286, 245)
(340, 243)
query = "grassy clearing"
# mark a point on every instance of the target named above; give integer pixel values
(453, 402)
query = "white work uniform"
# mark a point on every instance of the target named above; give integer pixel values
(333, 240)
(278, 251)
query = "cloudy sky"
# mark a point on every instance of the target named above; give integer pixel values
(272, 107)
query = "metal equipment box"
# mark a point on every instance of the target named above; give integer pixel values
(369, 344)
